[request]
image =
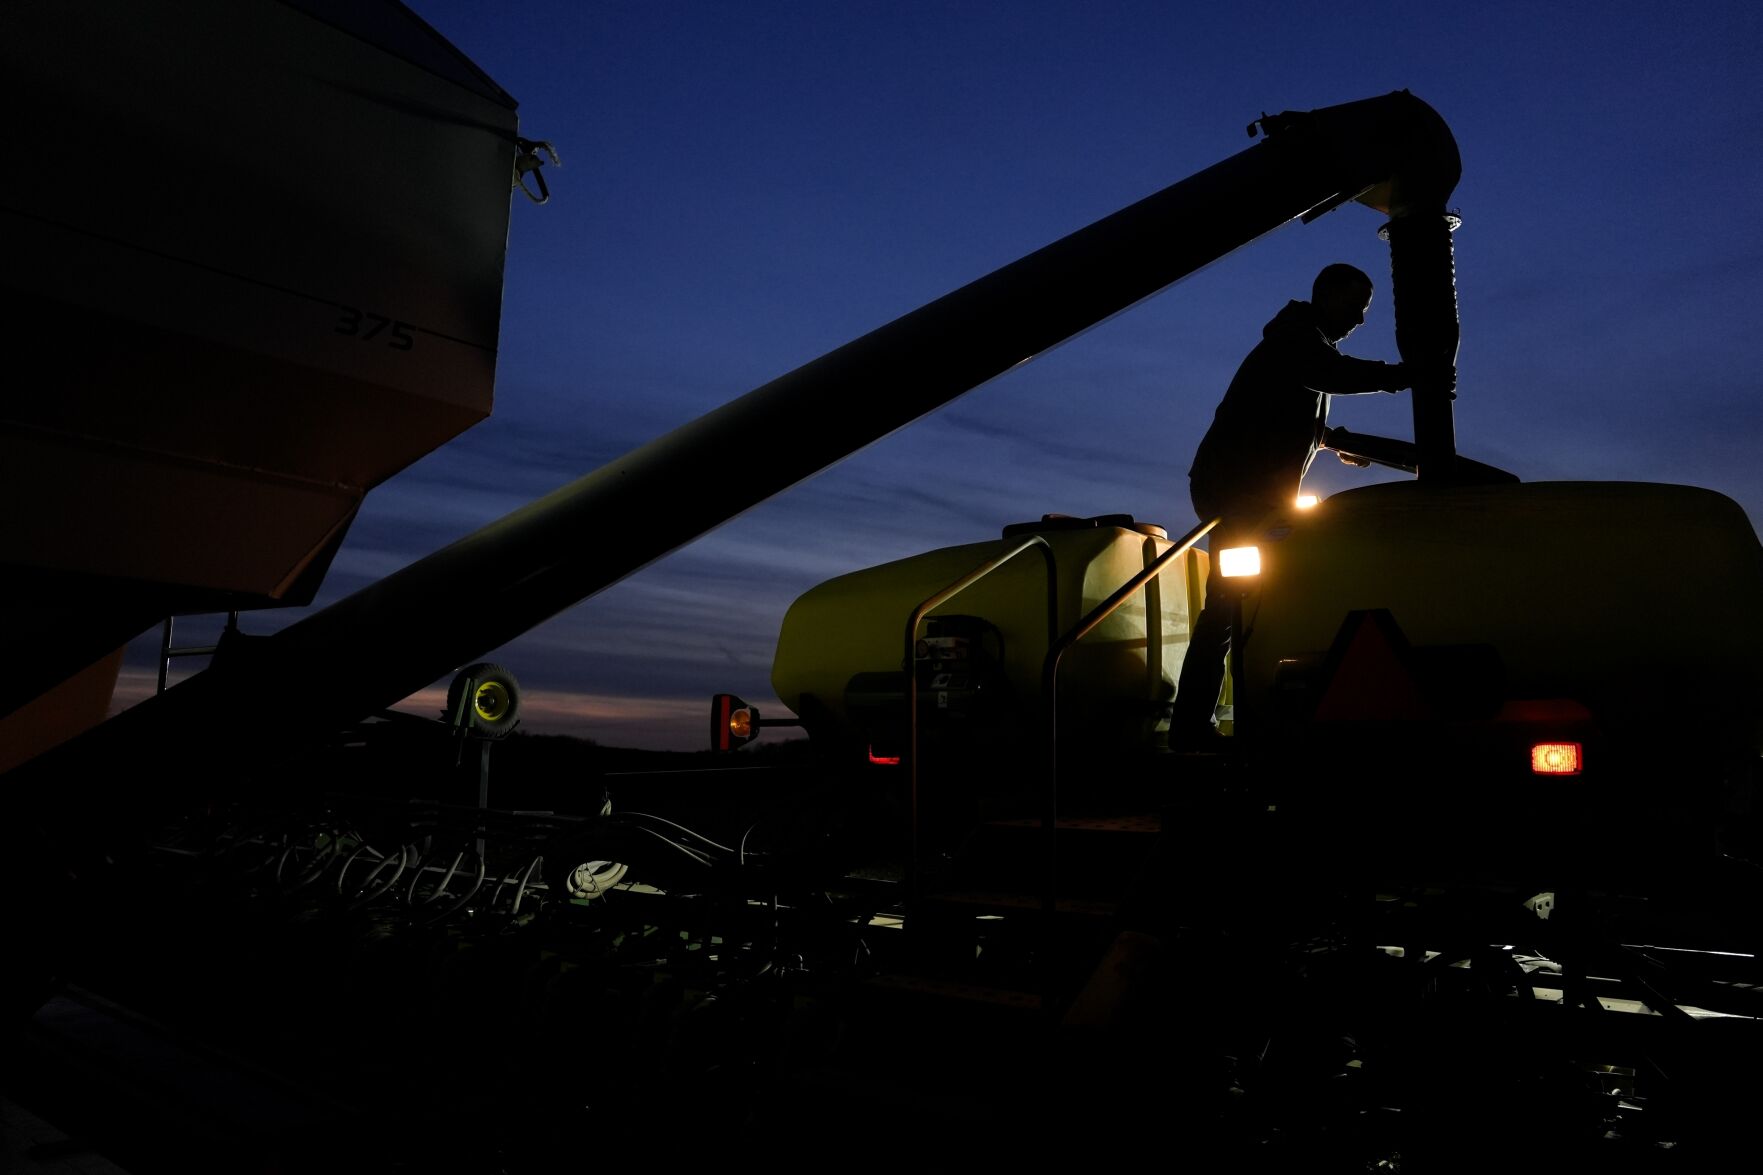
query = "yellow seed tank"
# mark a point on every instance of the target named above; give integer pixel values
(1114, 684)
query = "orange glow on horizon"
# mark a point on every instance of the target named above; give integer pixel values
(641, 721)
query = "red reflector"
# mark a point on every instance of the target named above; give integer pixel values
(883, 760)
(1555, 758)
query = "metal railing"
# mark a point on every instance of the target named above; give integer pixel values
(1056, 651)
(910, 664)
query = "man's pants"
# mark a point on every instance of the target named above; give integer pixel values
(1202, 670)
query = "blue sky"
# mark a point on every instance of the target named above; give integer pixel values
(748, 185)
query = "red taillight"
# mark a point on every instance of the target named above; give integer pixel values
(1556, 758)
(883, 760)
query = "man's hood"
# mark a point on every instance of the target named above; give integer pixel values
(1294, 318)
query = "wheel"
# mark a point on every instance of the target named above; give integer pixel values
(493, 704)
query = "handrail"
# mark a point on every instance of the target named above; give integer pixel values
(918, 615)
(1049, 689)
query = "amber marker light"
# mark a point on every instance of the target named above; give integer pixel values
(1307, 501)
(740, 723)
(1555, 758)
(733, 723)
(1239, 562)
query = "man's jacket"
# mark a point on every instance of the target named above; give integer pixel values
(1269, 424)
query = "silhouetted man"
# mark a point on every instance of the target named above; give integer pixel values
(1263, 437)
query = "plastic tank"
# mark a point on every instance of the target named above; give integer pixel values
(1115, 686)
(1638, 600)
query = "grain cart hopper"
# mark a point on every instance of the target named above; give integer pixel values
(254, 268)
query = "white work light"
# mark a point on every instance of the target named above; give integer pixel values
(1238, 562)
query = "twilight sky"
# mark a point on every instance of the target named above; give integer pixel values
(748, 185)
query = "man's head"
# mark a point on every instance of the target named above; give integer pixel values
(1341, 295)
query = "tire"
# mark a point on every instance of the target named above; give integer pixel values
(494, 705)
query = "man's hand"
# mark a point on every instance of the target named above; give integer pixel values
(1353, 459)
(1408, 376)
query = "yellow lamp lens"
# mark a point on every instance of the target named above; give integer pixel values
(1307, 501)
(740, 723)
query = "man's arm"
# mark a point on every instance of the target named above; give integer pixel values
(1327, 370)
(1316, 364)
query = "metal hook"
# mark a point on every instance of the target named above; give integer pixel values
(528, 161)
